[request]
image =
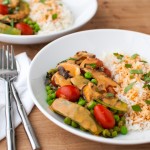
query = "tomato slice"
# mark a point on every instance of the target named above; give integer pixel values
(68, 92)
(25, 28)
(104, 117)
(3, 9)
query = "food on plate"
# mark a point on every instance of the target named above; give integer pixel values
(82, 90)
(132, 73)
(34, 17)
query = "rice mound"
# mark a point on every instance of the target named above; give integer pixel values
(137, 95)
(51, 15)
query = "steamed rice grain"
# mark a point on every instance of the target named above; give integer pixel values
(137, 95)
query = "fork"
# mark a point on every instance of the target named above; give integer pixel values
(7, 73)
(27, 126)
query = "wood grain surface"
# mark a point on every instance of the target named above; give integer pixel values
(119, 14)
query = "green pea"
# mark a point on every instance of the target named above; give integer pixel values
(123, 119)
(49, 92)
(117, 118)
(74, 124)
(106, 133)
(120, 123)
(48, 87)
(81, 102)
(91, 105)
(94, 81)
(81, 128)
(50, 102)
(92, 111)
(114, 133)
(116, 128)
(29, 22)
(88, 75)
(67, 120)
(52, 96)
(124, 130)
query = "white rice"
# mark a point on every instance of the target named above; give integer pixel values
(137, 95)
(42, 14)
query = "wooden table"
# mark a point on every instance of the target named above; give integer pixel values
(123, 14)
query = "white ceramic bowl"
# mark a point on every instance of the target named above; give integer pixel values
(94, 41)
(83, 11)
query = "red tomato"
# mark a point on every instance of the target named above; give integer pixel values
(104, 116)
(3, 9)
(68, 92)
(107, 72)
(25, 28)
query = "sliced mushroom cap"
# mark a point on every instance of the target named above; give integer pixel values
(80, 56)
(92, 63)
(90, 92)
(59, 80)
(77, 113)
(72, 69)
(102, 79)
(79, 81)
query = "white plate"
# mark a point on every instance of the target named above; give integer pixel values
(94, 41)
(83, 11)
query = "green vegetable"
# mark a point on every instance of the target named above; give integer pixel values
(47, 87)
(143, 61)
(12, 23)
(136, 71)
(74, 124)
(117, 118)
(88, 75)
(67, 120)
(106, 133)
(92, 65)
(119, 56)
(120, 123)
(129, 87)
(94, 81)
(81, 101)
(134, 56)
(50, 101)
(5, 2)
(109, 95)
(42, 1)
(54, 16)
(72, 58)
(124, 130)
(136, 108)
(6, 29)
(91, 105)
(116, 128)
(147, 102)
(114, 133)
(128, 65)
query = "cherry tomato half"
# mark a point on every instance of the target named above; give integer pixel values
(68, 92)
(107, 72)
(3, 9)
(25, 28)
(104, 117)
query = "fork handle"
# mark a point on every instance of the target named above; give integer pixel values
(27, 126)
(10, 132)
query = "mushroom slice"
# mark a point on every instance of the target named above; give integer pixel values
(59, 80)
(77, 113)
(80, 56)
(91, 63)
(90, 92)
(114, 103)
(72, 69)
(79, 81)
